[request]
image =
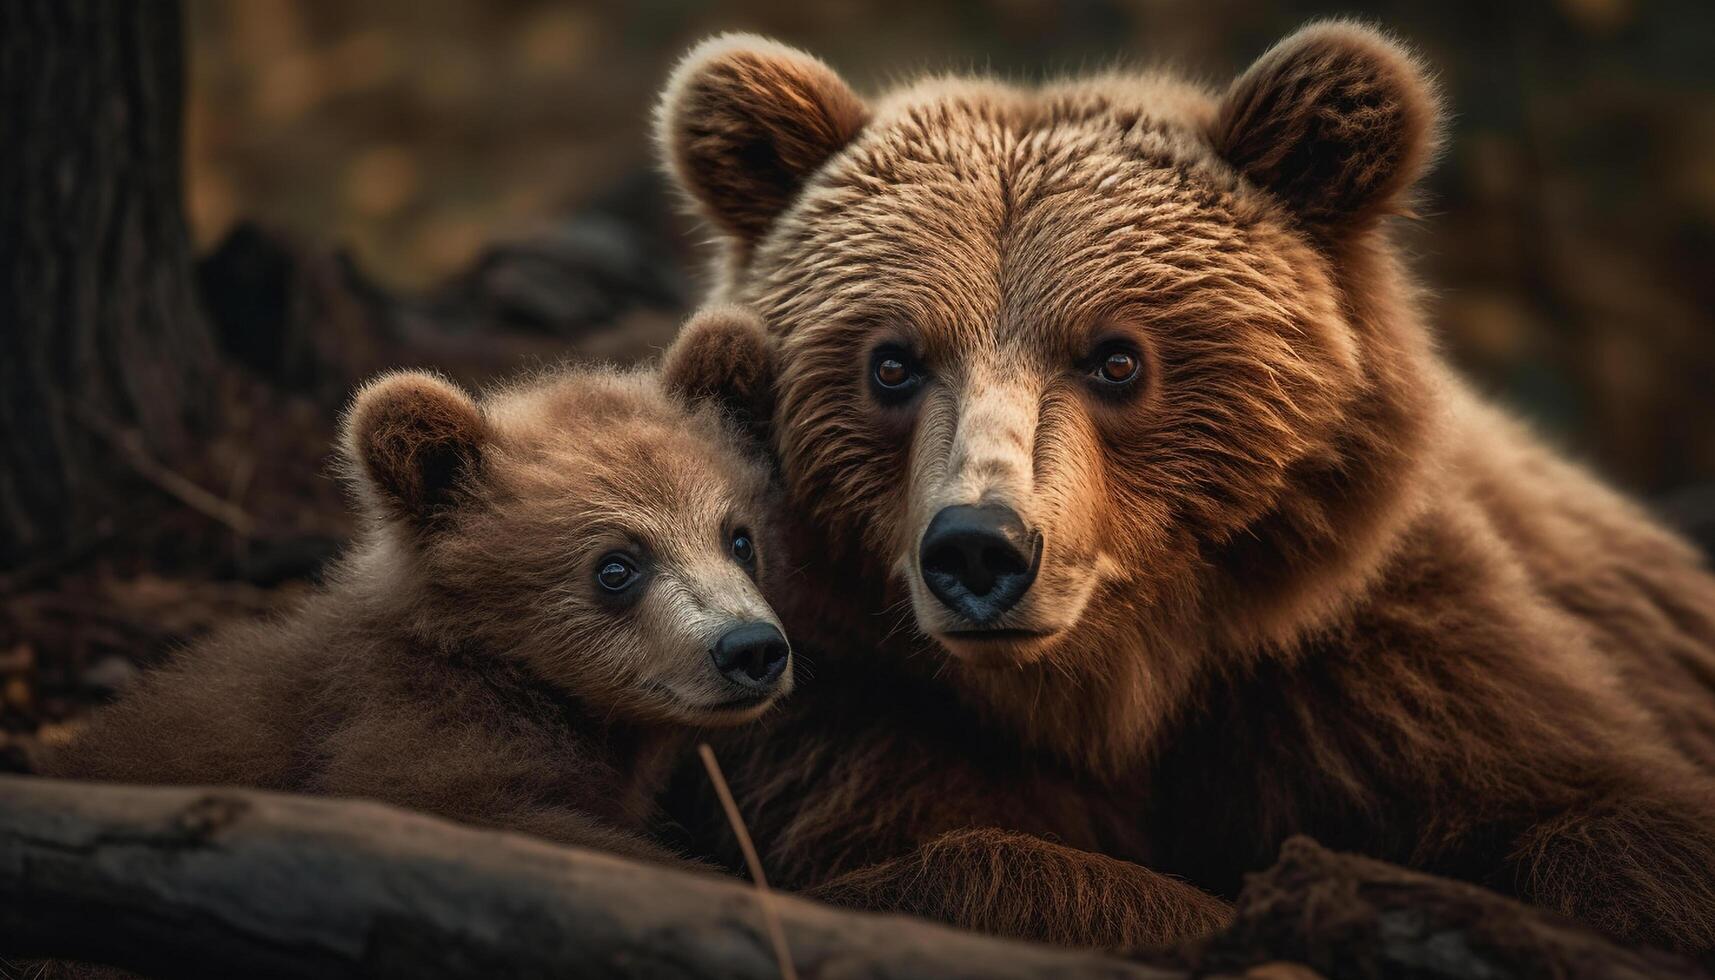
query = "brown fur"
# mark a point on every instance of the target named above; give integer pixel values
(758, 121)
(1301, 581)
(462, 658)
(717, 360)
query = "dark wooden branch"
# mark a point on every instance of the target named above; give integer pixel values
(218, 882)
(1350, 916)
(226, 882)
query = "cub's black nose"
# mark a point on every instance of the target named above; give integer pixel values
(753, 655)
(979, 561)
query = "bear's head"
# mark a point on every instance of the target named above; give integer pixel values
(1082, 365)
(608, 536)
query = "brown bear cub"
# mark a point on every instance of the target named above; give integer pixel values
(1118, 389)
(551, 587)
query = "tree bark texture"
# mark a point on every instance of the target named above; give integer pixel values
(227, 882)
(99, 317)
(188, 882)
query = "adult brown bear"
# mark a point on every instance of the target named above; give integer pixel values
(1117, 387)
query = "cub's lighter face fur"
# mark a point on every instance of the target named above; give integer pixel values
(558, 477)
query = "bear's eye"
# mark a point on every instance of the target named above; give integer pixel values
(894, 374)
(1115, 365)
(615, 573)
(743, 548)
(1119, 367)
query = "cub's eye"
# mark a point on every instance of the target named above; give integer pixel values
(894, 374)
(616, 573)
(743, 548)
(1115, 365)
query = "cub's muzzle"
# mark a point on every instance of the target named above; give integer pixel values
(752, 655)
(979, 561)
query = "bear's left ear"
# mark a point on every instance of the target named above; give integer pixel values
(1337, 120)
(721, 357)
(416, 441)
(745, 120)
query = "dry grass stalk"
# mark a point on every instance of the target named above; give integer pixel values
(764, 897)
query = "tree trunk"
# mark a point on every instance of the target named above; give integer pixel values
(99, 318)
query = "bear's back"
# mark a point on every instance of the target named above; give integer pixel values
(1644, 595)
(233, 709)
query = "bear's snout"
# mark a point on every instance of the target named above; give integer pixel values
(753, 656)
(979, 561)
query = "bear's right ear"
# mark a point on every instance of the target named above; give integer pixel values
(1337, 120)
(415, 439)
(744, 120)
(721, 357)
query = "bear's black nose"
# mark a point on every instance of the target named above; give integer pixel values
(979, 561)
(753, 655)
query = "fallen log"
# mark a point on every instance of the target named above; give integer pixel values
(1348, 916)
(229, 882)
(224, 882)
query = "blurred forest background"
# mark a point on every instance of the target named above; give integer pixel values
(468, 184)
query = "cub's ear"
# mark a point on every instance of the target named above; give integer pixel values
(721, 357)
(744, 120)
(1337, 120)
(414, 439)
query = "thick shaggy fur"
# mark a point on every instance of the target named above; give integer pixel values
(1296, 579)
(462, 659)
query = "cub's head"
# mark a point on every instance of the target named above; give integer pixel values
(1067, 357)
(609, 535)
